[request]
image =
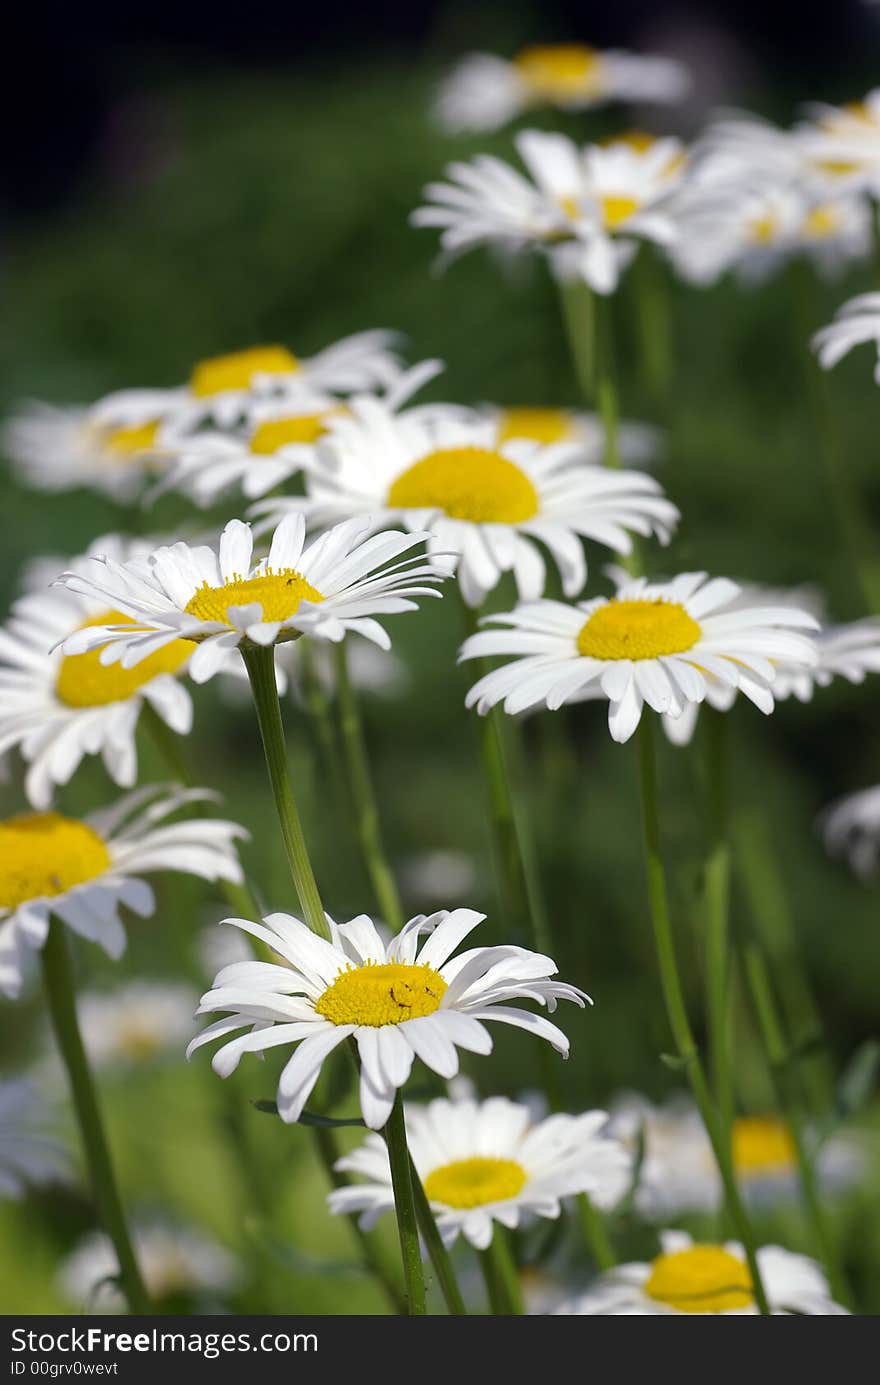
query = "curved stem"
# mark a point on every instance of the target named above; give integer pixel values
(405, 1209)
(717, 920)
(260, 665)
(58, 980)
(436, 1249)
(367, 826)
(677, 1012)
(595, 1233)
(579, 314)
(606, 388)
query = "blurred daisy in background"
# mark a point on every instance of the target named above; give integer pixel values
(638, 444)
(56, 708)
(484, 92)
(136, 1023)
(857, 322)
(851, 829)
(398, 1000)
(339, 583)
(842, 143)
(175, 1262)
(376, 672)
(489, 503)
(435, 875)
(693, 1277)
(30, 1154)
(86, 871)
(482, 1162)
(658, 643)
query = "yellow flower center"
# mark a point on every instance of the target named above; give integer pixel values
(701, 1279)
(637, 630)
(137, 1043)
(278, 592)
(382, 993)
(126, 444)
(280, 432)
(762, 1145)
(474, 1182)
(617, 210)
(45, 854)
(237, 370)
(764, 229)
(541, 425)
(83, 681)
(837, 168)
(822, 222)
(639, 140)
(472, 483)
(560, 71)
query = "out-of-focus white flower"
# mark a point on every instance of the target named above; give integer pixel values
(138, 1022)
(638, 444)
(30, 1155)
(851, 828)
(436, 875)
(857, 322)
(174, 1261)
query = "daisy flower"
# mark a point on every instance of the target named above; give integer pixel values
(217, 599)
(654, 642)
(484, 92)
(398, 1000)
(484, 501)
(482, 1162)
(694, 1277)
(678, 1172)
(174, 1261)
(842, 143)
(29, 1155)
(83, 871)
(639, 444)
(851, 828)
(858, 321)
(56, 708)
(63, 448)
(585, 208)
(137, 1022)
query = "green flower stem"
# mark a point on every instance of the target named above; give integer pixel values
(501, 1276)
(58, 980)
(318, 706)
(440, 1258)
(758, 870)
(653, 324)
(676, 1010)
(606, 388)
(405, 1209)
(579, 315)
(717, 920)
(595, 1233)
(367, 826)
(784, 1072)
(260, 665)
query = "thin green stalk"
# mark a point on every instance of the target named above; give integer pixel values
(783, 1070)
(318, 706)
(260, 665)
(405, 1209)
(436, 1249)
(502, 1276)
(717, 920)
(59, 985)
(366, 819)
(579, 315)
(650, 288)
(677, 1011)
(595, 1233)
(606, 387)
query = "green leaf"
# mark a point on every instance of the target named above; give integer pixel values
(311, 1117)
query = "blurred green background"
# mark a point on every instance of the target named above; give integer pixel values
(273, 206)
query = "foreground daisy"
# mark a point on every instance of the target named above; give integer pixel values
(482, 1162)
(136, 1023)
(484, 92)
(486, 501)
(176, 1261)
(61, 449)
(29, 1155)
(851, 828)
(57, 708)
(340, 582)
(654, 642)
(857, 322)
(83, 871)
(692, 1277)
(398, 1001)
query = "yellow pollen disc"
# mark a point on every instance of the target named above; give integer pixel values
(45, 854)
(637, 630)
(639, 140)
(822, 222)
(761, 1145)
(474, 1182)
(472, 483)
(280, 432)
(138, 1044)
(541, 425)
(701, 1279)
(279, 592)
(837, 168)
(764, 229)
(376, 994)
(560, 71)
(617, 210)
(83, 681)
(237, 370)
(127, 443)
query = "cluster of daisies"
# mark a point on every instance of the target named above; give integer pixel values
(360, 502)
